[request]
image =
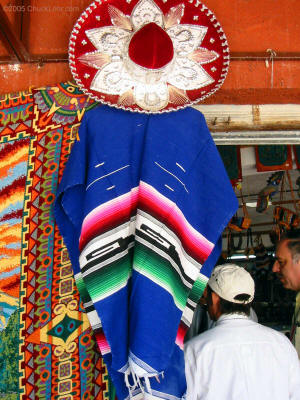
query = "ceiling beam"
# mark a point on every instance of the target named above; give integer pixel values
(11, 42)
(260, 117)
(256, 137)
(232, 124)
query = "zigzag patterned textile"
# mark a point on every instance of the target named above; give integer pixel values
(147, 198)
(47, 348)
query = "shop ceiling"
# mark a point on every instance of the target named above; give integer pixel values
(263, 38)
(265, 62)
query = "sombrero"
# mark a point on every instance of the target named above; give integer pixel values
(148, 56)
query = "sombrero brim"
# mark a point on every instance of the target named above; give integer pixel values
(106, 54)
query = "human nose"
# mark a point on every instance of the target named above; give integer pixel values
(275, 267)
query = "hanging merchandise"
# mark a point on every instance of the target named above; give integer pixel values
(262, 271)
(148, 56)
(262, 258)
(235, 245)
(296, 150)
(268, 192)
(231, 156)
(238, 223)
(234, 241)
(298, 184)
(275, 233)
(144, 198)
(273, 157)
(284, 217)
(249, 250)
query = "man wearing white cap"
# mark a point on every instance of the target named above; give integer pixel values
(239, 359)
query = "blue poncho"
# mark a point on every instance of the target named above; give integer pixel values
(141, 205)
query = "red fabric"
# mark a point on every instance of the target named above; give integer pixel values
(151, 47)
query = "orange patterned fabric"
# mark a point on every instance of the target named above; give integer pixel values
(47, 349)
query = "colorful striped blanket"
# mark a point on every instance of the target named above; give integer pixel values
(141, 205)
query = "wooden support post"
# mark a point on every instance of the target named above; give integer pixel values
(11, 42)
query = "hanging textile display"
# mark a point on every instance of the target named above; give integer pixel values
(231, 157)
(273, 157)
(296, 150)
(144, 197)
(148, 56)
(143, 224)
(47, 348)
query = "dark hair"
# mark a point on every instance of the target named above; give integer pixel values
(293, 243)
(227, 307)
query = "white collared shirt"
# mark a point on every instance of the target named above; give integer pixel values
(295, 328)
(240, 359)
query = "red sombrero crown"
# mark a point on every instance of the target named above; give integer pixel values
(148, 55)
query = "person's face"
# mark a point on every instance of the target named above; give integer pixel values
(285, 268)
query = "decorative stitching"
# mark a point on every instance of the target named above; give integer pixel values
(104, 176)
(169, 187)
(180, 166)
(174, 176)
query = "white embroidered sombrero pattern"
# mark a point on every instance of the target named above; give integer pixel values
(148, 56)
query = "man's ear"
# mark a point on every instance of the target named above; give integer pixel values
(215, 298)
(204, 295)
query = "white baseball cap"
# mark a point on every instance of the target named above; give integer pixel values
(230, 280)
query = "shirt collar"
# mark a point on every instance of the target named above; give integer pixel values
(226, 317)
